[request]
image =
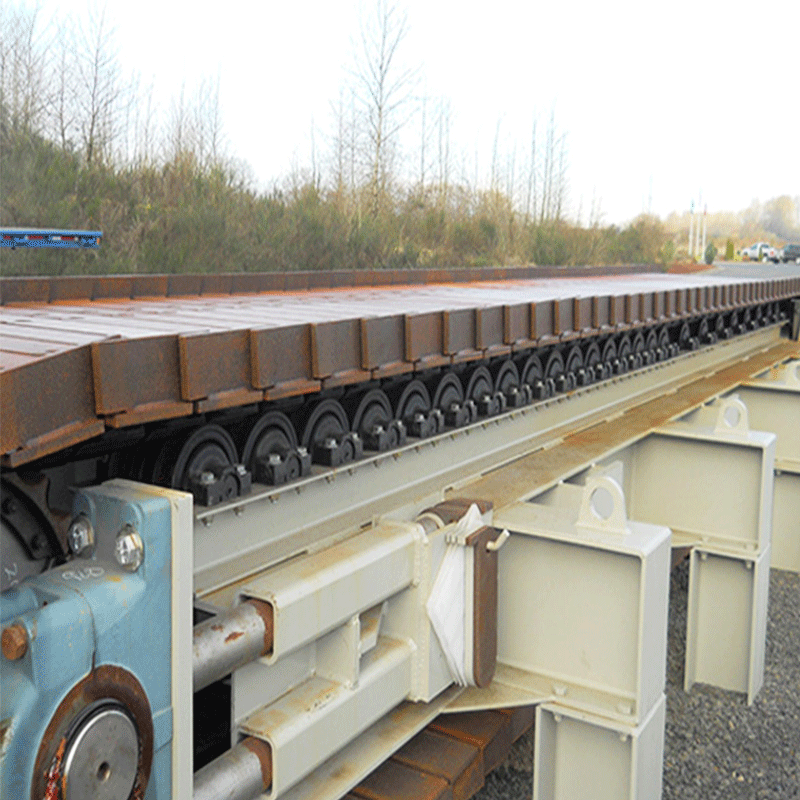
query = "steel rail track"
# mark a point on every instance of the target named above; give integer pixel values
(235, 540)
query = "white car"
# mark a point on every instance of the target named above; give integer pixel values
(761, 251)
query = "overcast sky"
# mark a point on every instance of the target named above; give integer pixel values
(660, 100)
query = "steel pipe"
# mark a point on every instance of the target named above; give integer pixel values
(231, 640)
(243, 773)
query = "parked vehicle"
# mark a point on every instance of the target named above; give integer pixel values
(761, 251)
(790, 252)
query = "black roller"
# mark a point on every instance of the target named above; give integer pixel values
(531, 374)
(271, 451)
(719, 327)
(555, 373)
(202, 461)
(205, 449)
(685, 339)
(448, 392)
(412, 406)
(479, 388)
(650, 346)
(448, 397)
(28, 541)
(410, 399)
(507, 383)
(609, 357)
(371, 418)
(593, 364)
(326, 435)
(664, 349)
(574, 367)
(624, 353)
(273, 433)
(638, 347)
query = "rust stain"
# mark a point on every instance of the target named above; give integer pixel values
(217, 628)
(5, 734)
(54, 773)
(263, 752)
(232, 637)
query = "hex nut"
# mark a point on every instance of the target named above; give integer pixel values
(81, 536)
(14, 642)
(129, 549)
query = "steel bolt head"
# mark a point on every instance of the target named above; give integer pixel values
(207, 478)
(14, 642)
(80, 536)
(129, 549)
(10, 506)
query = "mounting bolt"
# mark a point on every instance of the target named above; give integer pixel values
(80, 536)
(10, 506)
(129, 549)
(14, 642)
(207, 478)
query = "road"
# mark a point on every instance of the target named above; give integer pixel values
(751, 269)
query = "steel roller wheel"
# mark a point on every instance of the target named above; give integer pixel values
(372, 419)
(555, 373)
(202, 457)
(326, 429)
(479, 389)
(609, 357)
(593, 363)
(574, 367)
(718, 327)
(638, 347)
(624, 353)
(685, 340)
(650, 347)
(412, 406)
(29, 544)
(664, 349)
(531, 373)
(703, 332)
(507, 383)
(273, 436)
(448, 391)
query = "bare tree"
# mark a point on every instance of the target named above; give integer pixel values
(22, 70)
(383, 88)
(531, 195)
(99, 93)
(443, 168)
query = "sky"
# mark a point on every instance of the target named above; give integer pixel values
(663, 103)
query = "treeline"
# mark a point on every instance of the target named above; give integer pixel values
(181, 217)
(80, 147)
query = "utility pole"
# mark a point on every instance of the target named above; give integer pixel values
(698, 253)
(705, 229)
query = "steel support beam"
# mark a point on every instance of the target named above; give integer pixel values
(773, 404)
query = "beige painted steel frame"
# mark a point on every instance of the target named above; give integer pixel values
(280, 525)
(773, 403)
(580, 756)
(582, 606)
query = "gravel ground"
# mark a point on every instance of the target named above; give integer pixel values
(716, 746)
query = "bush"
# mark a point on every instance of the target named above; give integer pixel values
(729, 250)
(711, 253)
